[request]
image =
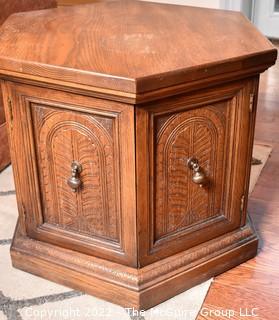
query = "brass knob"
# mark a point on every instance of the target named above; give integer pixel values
(199, 176)
(74, 182)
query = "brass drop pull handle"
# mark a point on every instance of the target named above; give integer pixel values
(199, 176)
(74, 182)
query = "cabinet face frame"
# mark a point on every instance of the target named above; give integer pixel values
(241, 118)
(27, 177)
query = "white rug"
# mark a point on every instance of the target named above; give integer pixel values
(24, 296)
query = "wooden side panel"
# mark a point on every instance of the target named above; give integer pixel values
(50, 129)
(216, 127)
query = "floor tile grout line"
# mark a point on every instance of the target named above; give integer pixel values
(21, 303)
(7, 193)
(5, 241)
(137, 318)
(10, 307)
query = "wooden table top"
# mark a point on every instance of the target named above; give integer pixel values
(131, 46)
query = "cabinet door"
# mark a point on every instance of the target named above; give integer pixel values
(215, 128)
(53, 131)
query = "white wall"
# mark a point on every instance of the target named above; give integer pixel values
(197, 3)
(245, 6)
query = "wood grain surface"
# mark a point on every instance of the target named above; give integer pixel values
(92, 140)
(51, 239)
(50, 129)
(122, 236)
(132, 46)
(165, 190)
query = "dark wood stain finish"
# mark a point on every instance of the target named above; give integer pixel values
(101, 85)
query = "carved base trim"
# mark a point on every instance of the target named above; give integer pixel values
(129, 287)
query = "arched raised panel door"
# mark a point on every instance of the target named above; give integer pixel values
(180, 203)
(197, 151)
(64, 137)
(81, 153)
